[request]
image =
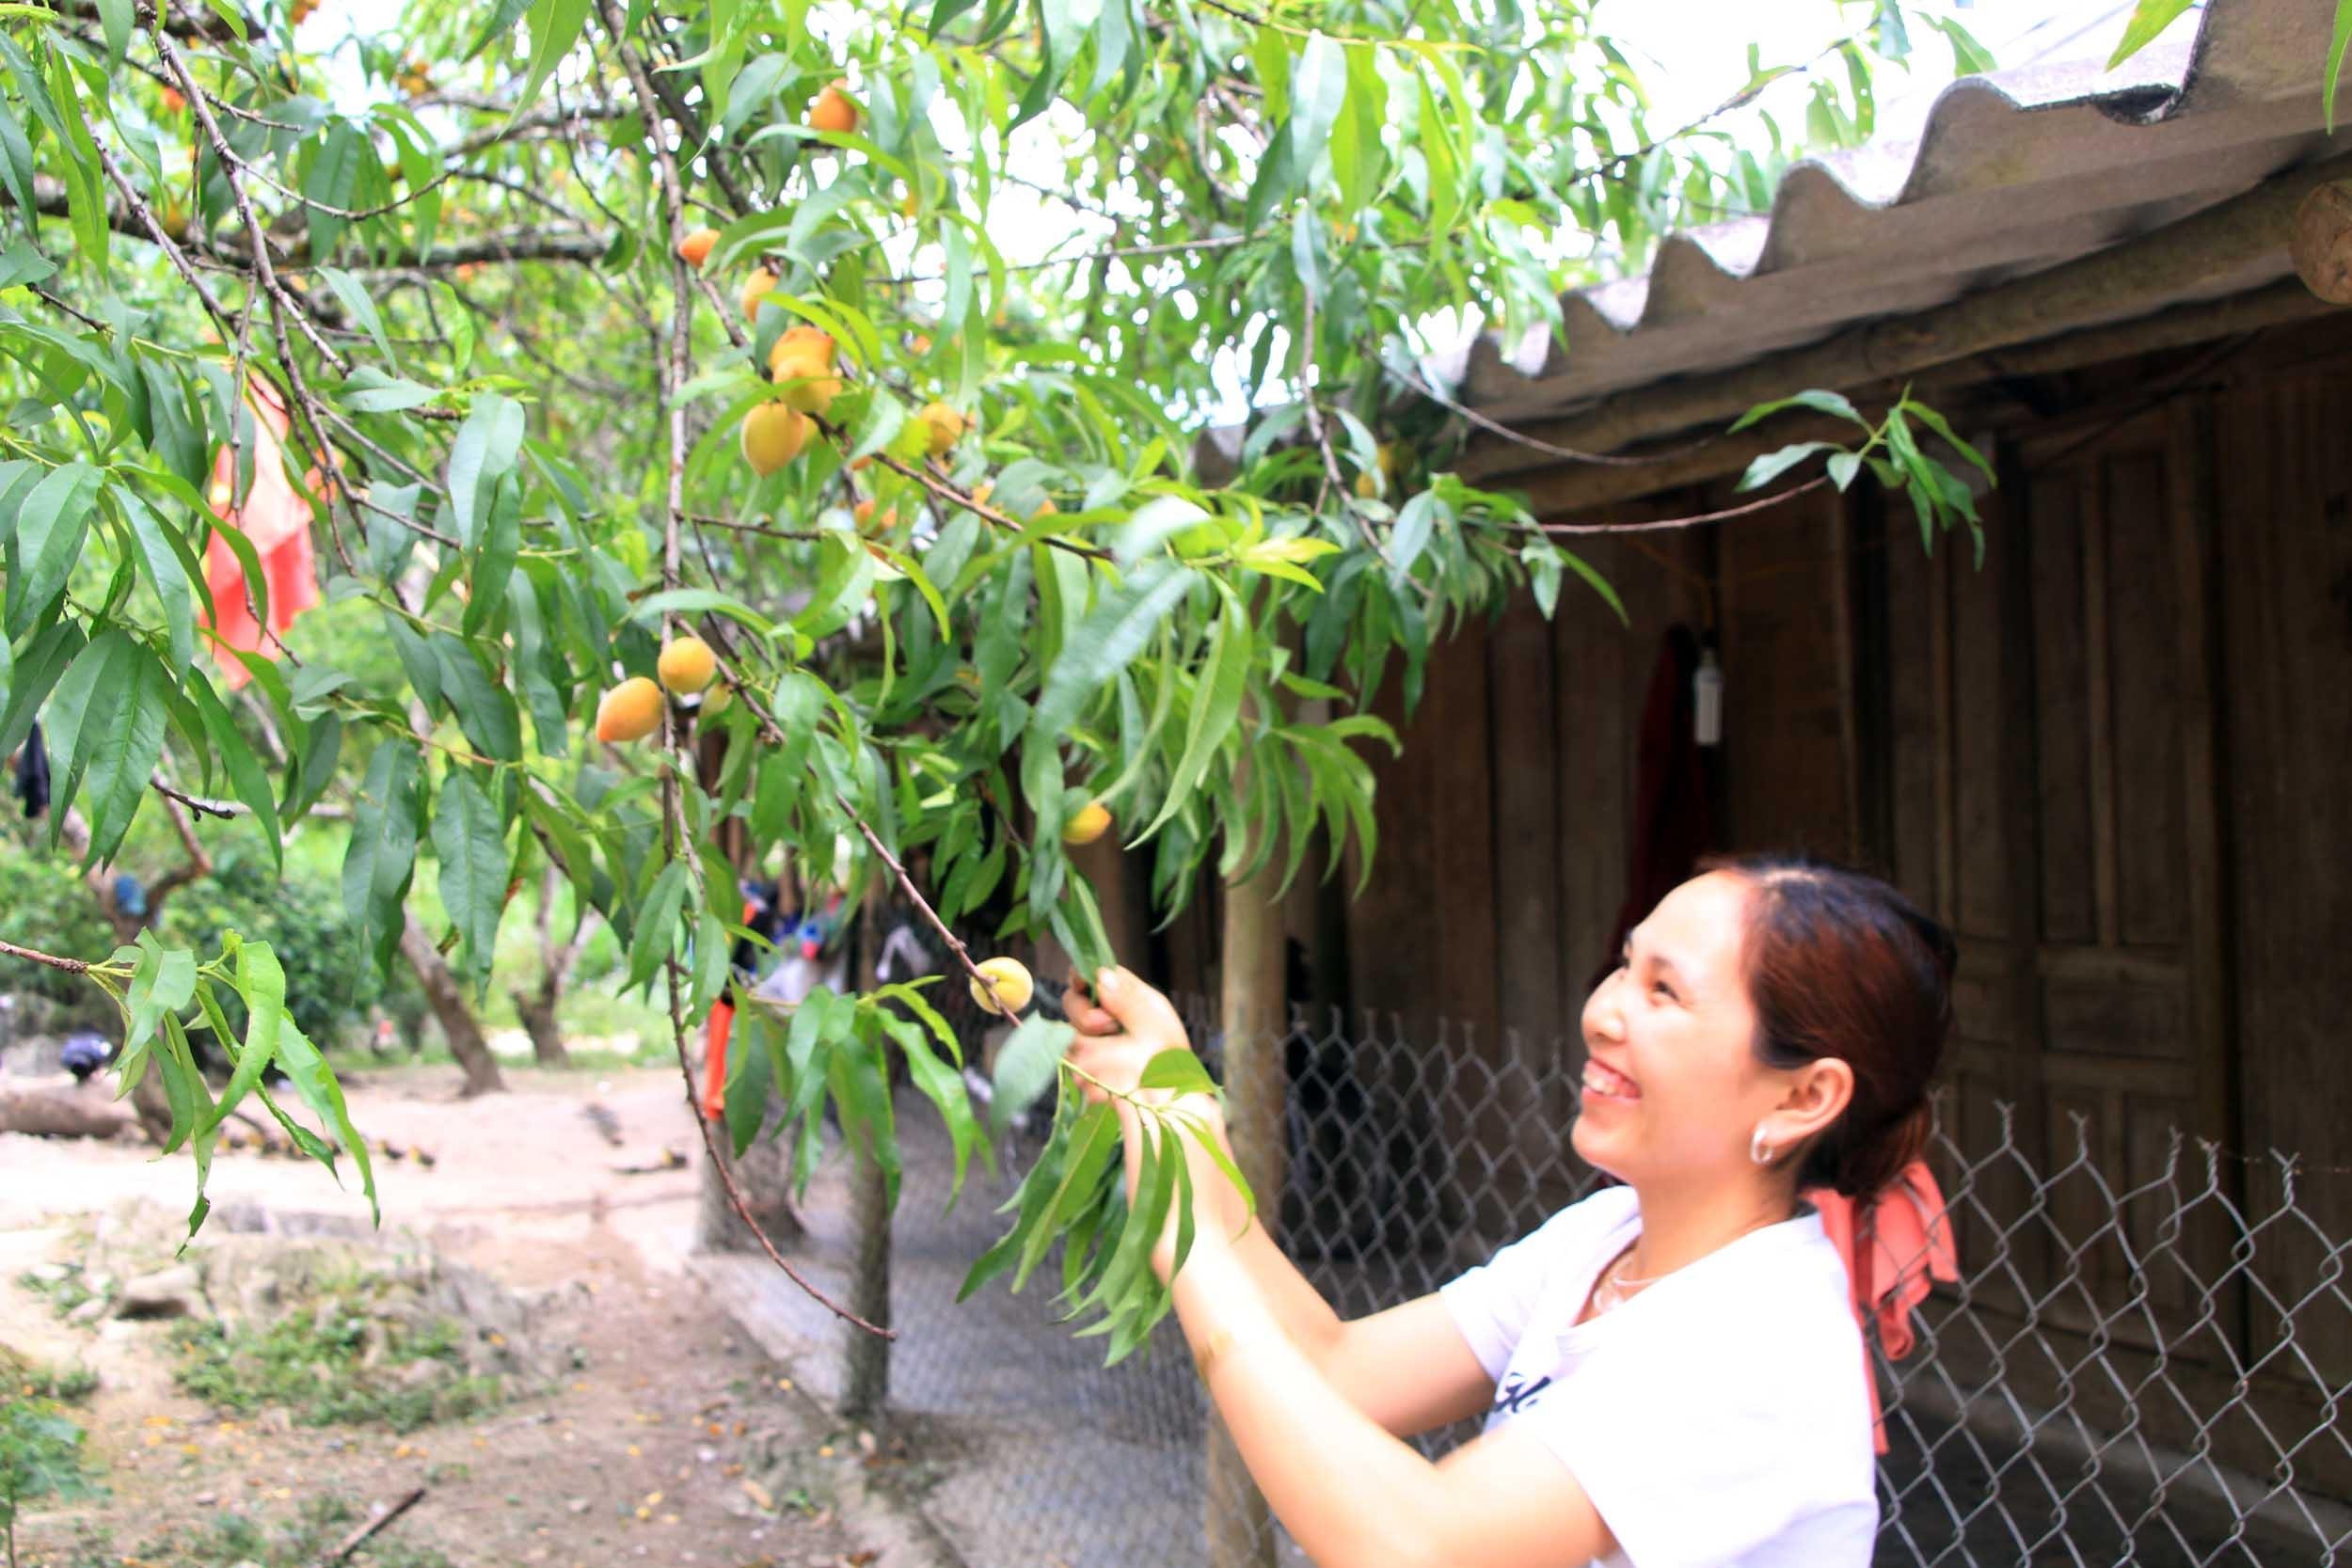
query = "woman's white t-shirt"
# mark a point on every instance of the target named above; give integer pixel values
(1718, 1417)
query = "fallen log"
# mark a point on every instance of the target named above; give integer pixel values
(64, 1111)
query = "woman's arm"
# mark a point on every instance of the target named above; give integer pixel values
(1352, 1494)
(1408, 1369)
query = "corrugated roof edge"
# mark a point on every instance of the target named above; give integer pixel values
(1975, 127)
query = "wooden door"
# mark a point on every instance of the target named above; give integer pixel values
(2128, 958)
(2076, 856)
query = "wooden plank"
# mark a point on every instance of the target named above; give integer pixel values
(2190, 490)
(1947, 764)
(1459, 977)
(2147, 627)
(2099, 686)
(1530, 961)
(1457, 970)
(1593, 655)
(1993, 627)
(2074, 1205)
(1999, 1191)
(2116, 1027)
(1841, 526)
(2061, 716)
(1985, 848)
(1913, 583)
(1786, 697)
(2136, 1019)
(2151, 1077)
(2110, 966)
(2286, 515)
(1122, 888)
(2158, 1168)
(1389, 923)
(1188, 944)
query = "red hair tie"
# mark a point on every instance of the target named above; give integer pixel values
(1903, 1248)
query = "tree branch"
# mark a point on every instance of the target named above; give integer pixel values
(1659, 524)
(197, 804)
(71, 966)
(650, 89)
(673, 369)
(529, 124)
(1572, 454)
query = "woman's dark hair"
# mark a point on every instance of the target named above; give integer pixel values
(1840, 965)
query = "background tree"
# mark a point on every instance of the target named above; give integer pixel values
(558, 957)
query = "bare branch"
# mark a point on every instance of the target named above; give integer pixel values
(557, 119)
(1659, 524)
(1331, 476)
(1572, 454)
(71, 966)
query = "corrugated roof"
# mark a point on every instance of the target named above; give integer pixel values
(2011, 173)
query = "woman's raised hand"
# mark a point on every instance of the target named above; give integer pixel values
(1120, 1028)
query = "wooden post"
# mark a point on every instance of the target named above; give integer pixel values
(1240, 1527)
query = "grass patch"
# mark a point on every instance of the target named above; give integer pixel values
(68, 1289)
(337, 1364)
(23, 1378)
(40, 1458)
(316, 1525)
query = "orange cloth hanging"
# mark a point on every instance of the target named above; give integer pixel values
(722, 1025)
(1908, 1250)
(277, 519)
(715, 1060)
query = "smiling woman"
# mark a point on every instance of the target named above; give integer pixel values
(1670, 1370)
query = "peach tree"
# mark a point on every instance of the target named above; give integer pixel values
(867, 362)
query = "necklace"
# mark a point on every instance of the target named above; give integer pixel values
(1617, 1287)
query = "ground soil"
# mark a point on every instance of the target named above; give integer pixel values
(650, 1445)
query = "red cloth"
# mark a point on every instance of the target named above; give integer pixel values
(1907, 1249)
(277, 519)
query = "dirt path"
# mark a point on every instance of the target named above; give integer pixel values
(669, 1438)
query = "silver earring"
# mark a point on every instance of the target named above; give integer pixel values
(1758, 1150)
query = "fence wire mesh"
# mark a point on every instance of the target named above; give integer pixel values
(2145, 1370)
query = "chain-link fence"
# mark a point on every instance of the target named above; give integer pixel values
(2144, 1368)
